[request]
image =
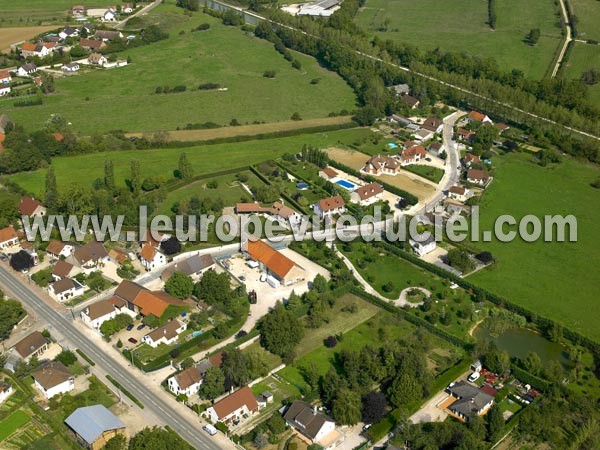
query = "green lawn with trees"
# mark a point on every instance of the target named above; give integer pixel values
(429, 24)
(125, 98)
(17, 14)
(83, 169)
(552, 279)
(584, 59)
(587, 13)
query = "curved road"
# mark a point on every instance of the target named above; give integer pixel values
(165, 411)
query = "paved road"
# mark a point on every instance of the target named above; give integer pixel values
(568, 39)
(144, 10)
(187, 428)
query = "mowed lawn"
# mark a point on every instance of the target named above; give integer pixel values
(125, 99)
(556, 280)
(461, 27)
(228, 189)
(205, 159)
(12, 423)
(588, 18)
(582, 58)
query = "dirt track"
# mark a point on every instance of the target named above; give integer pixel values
(356, 160)
(249, 130)
(9, 36)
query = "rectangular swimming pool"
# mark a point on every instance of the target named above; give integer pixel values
(346, 184)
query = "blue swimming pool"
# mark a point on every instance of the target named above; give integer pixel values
(346, 184)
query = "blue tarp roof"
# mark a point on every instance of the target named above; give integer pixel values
(90, 422)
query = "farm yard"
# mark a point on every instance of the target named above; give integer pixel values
(356, 160)
(551, 278)
(431, 24)
(117, 99)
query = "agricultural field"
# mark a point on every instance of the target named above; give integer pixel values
(24, 425)
(582, 58)
(588, 18)
(124, 98)
(9, 36)
(431, 24)
(205, 159)
(550, 278)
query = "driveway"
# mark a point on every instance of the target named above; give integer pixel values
(430, 412)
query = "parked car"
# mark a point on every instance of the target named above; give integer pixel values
(210, 429)
(141, 327)
(130, 327)
(133, 340)
(474, 377)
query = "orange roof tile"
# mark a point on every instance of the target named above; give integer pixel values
(8, 233)
(276, 262)
(148, 252)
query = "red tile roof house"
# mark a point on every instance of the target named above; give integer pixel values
(412, 155)
(276, 264)
(57, 249)
(33, 344)
(31, 207)
(232, 408)
(328, 173)
(367, 194)
(479, 177)
(141, 300)
(378, 165)
(475, 116)
(53, 379)
(329, 206)
(459, 193)
(151, 258)
(433, 124)
(89, 256)
(5, 77)
(471, 159)
(167, 334)
(187, 382)
(63, 269)
(8, 237)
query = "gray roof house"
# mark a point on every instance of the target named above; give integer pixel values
(472, 401)
(194, 265)
(94, 425)
(305, 419)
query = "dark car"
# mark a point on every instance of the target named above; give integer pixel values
(141, 327)
(132, 340)
(130, 327)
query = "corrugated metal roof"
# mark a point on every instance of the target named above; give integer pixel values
(90, 422)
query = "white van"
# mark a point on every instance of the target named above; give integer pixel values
(474, 377)
(210, 429)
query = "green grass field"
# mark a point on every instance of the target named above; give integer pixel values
(430, 173)
(366, 333)
(430, 24)
(229, 190)
(553, 279)
(19, 13)
(588, 15)
(12, 423)
(582, 58)
(124, 98)
(205, 159)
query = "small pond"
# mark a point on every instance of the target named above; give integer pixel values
(519, 342)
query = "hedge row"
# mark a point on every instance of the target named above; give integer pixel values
(528, 378)
(86, 357)
(410, 198)
(532, 317)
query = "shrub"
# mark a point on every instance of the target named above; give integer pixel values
(269, 74)
(180, 88)
(297, 64)
(209, 86)
(315, 81)
(296, 116)
(331, 341)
